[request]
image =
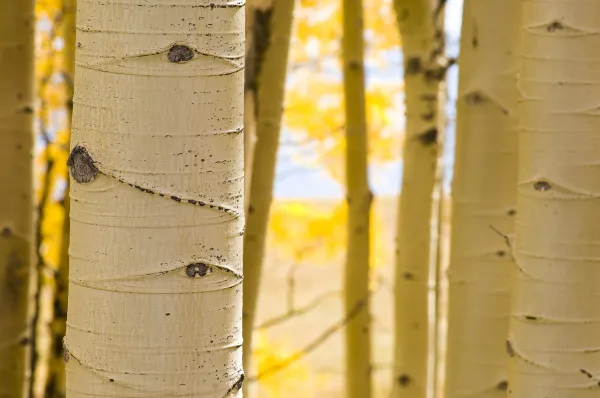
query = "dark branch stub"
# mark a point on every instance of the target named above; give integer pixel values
(404, 380)
(502, 386)
(509, 349)
(474, 98)
(428, 137)
(194, 269)
(408, 276)
(180, 53)
(413, 66)
(66, 354)
(81, 165)
(240, 382)
(236, 386)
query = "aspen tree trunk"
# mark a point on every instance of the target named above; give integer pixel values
(555, 330)
(265, 83)
(421, 48)
(157, 219)
(438, 265)
(249, 96)
(441, 312)
(438, 298)
(484, 196)
(16, 184)
(359, 199)
(56, 386)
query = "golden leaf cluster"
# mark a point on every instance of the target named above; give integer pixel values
(304, 231)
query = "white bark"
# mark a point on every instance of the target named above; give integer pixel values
(156, 200)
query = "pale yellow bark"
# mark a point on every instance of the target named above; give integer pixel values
(16, 184)
(422, 75)
(484, 199)
(156, 200)
(265, 83)
(438, 262)
(359, 199)
(554, 336)
(441, 289)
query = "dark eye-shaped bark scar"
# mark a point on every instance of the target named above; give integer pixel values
(509, 349)
(542, 186)
(84, 169)
(180, 53)
(81, 165)
(199, 269)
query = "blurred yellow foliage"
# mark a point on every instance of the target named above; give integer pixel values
(314, 110)
(54, 87)
(269, 353)
(52, 111)
(318, 29)
(315, 113)
(304, 231)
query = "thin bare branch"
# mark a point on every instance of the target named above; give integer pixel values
(312, 345)
(295, 312)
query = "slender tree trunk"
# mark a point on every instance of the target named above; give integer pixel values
(555, 329)
(156, 201)
(441, 312)
(16, 183)
(484, 196)
(56, 385)
(249, 97)
(438, 263)
(359, 199)
(265, 83)
(421, 48)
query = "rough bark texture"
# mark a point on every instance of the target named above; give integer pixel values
(483, 201)
(421, 44)
(554, 336)
(265, 85)
(156, 200)
(359, 198)
(16, 184)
